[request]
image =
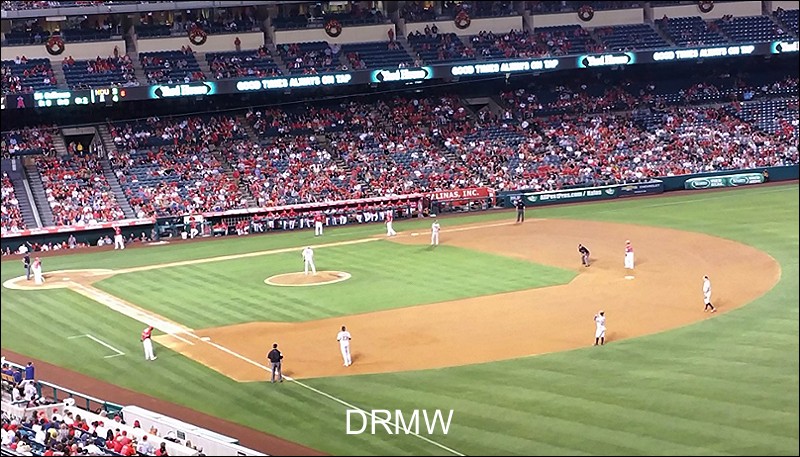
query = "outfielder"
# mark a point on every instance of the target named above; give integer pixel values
(628, 255)
(343, 337)
(435, 233)
(707, 295)
(600, 331)
(148, 343)
(119, 241)
(308, 260)
(389, 219)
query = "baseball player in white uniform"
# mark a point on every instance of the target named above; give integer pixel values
(119, 241)
(707, 295)
(435, 233)
(308, 260)
(600, 331)
(389, 220)
(628, 255)
(343, 337)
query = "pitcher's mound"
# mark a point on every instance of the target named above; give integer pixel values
(300, 279)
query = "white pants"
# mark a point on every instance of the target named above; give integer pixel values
(346, 354)
(389, 230)
(317, 228)
(707, 298)
(310, 263)
(38, 277)
(193, 233)
(600, 332)
(119, 242)
(434, 238)
(629, 260)
(148, 349)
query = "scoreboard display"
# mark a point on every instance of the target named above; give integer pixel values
(57, 97)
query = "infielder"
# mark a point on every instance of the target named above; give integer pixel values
(343, 337)
(628, 255)
(389, 219)
(707, 295)
(148, 343)
(584, 254)
(308, 260)
(435, 233)
(600, 331)
(119, 241)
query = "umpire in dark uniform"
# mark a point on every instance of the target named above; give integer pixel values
(520, 210)
(26, 262)
(275, 358)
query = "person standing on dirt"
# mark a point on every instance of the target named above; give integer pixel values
(275, 357)
(520, 210)
(26, 262)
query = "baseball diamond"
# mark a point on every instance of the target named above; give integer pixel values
(529, 318)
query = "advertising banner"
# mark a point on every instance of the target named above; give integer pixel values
(462, 194)
(643, 188)
(710, 182)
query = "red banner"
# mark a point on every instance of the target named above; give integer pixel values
(472, 193)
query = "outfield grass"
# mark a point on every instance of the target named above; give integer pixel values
(724, 386)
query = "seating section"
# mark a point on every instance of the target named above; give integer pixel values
(27, 75)
(258, 63)
(417, 11)
(312, 57)
(441, 47)
(565, 39)
(375, 55)
(10, 216)
(789, 18)
(166, 167)
(77, 190)
(752, 29)
(691, 31)
(513, 44)
(99, 72)
(171, 67)
(21, 37)
(778, 117)
(630, 37)
(32, 140)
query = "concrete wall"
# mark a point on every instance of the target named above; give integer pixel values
(351, 34)
(600, 19)
(214, 43)
(78, 51)
(720, 9)
(790, 5)
(495, 24)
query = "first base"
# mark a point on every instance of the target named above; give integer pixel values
(629, 277)
(414, 234)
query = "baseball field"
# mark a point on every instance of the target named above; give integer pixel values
(494, 324)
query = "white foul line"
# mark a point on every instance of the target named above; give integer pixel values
(97, 340)
(317, 391)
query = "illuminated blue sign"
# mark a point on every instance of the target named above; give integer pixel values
(183, 90)
(401, 74)
(604, 60)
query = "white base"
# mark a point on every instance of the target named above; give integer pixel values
(629, 277)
